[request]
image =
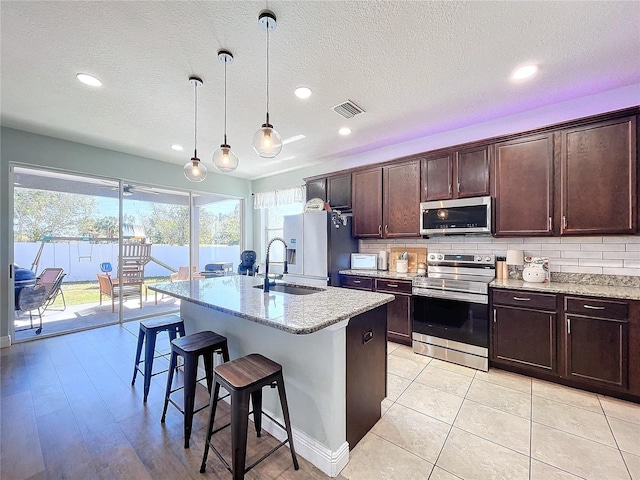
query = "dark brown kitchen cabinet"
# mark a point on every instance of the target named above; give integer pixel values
(400, 311)
(523, 186)
(357, 282)
(401, 200)
(596, 341)
(335, 189)
(367, 203)
(339, 191)
(317, 188)
(386, 201)
(599, 178)
(456, 174)
(523, 330)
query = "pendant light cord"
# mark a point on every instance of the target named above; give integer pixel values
(225, 101)
(267, 70)
(195, 120)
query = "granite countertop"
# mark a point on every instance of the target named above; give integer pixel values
(297, 314)
(609, 291)
(380, 274)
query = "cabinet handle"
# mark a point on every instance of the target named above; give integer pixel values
(386, 229)
(564, 222)
(494, 315)
(357, 281)
(449, 189)
(380, 230)
(550, 224)
(569, 326)
(592, 307)
(458, 187)
(392, 285)
(522, 299)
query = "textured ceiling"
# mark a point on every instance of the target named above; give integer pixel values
(416, 68)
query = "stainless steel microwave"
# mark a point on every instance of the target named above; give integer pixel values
(451, 217)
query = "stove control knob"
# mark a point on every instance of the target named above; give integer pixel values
(487, 259)
(432, 256)
(440, 257)
(478, 258)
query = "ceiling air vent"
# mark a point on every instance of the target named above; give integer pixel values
(348, 109)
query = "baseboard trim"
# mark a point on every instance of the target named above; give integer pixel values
(330, 462)
(5, 341)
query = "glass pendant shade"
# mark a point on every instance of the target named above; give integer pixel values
(195, 170)
(225, 159)
(267, 142)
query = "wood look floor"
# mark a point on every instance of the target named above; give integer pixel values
(68, 411)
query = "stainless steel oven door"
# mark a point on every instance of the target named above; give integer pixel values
(461, 320)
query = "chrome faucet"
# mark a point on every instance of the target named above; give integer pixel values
(266, 266)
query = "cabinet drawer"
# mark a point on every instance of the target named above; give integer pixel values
(393, 286)
(519, 298)
(596, 307)
(362, 283)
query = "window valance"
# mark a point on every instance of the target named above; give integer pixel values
(277, 198)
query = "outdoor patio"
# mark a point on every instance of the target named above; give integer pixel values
(86, 315)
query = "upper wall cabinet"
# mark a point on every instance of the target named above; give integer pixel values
(599, 180)
(523, 187)
(386, 201)
(456, 174)
(335, 189)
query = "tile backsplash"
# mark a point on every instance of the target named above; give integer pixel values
(612, 255)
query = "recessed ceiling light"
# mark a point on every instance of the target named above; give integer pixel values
(293, 139)
(524, 72)
(303, 92)
(344, 131)
(89, 80)
(177, 148)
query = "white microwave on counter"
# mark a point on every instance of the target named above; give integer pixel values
(364, 261)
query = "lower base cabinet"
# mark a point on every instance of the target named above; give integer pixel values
(583, 342)
(399, 311)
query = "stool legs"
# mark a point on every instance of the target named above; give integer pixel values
(287, 423)
(256, 401)
(149, 351)
(190, 375)
(172, 367)
(239, 427)
(138, 352)
(213, 403)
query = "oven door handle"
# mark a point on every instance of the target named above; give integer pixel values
(451, 295)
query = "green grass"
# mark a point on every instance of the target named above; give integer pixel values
(78, 293)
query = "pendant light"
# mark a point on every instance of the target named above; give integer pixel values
(194, 169)
(224, 158)
(266, 141)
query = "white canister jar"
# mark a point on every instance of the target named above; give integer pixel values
(402, 266)
(534, 273)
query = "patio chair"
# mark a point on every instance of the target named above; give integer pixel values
(183, 274)
(52, 278)
(131, 286)
(32, 298)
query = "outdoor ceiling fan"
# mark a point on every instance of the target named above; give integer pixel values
(129, 189)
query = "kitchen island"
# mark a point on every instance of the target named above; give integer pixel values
(331, 343)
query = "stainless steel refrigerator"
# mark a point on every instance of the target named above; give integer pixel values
(319, 245)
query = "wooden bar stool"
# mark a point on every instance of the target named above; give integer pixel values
(244, 378)
(190, 348)
(149, 329)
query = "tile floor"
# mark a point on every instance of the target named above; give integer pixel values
(443, 422)
(68, 411)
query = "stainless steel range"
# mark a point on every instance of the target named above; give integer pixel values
(451, 308)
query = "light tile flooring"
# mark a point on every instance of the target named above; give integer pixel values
(68, 411)
(444, 422)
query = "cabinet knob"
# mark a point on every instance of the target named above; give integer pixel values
(386, 229)
(380, 230)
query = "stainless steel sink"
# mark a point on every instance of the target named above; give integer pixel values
(291, 289)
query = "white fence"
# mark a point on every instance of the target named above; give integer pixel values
(81, 260)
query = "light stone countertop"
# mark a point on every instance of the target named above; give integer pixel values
(297, 314)
(605, 291)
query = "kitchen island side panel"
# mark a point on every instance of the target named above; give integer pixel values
(313, 367)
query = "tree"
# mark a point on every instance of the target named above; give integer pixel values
(167, 224)
(59, 214)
